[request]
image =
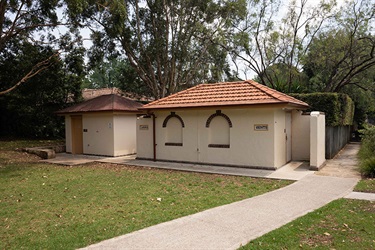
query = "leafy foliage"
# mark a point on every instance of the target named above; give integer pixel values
(367, 151)
(28, 111)
(338, 58)
(277, 76)
(170, 44)
(364, 101)
(339, 108)
(266, 39)
(34, 23)
(118, 73)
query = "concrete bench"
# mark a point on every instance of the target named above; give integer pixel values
(46, 152)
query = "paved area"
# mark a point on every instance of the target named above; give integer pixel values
(344, 164)
(233, 225)
(72, 160)
(361, 196)
(291, 171)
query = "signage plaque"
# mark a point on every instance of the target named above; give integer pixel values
(143, 127)
(261, 127)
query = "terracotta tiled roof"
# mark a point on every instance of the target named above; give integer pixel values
(88, 94)
(111, 102)
(225, 94)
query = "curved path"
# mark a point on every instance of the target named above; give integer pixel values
(235, 224)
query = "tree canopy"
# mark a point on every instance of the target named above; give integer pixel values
(344, 55)
(35, 23)
(169, 43)
(29, 110)
(41, 70)
(159, 47)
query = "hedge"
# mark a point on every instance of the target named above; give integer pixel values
(367, 152)
(338, 107)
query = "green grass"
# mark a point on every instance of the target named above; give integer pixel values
(342, 224)
(19, 144)
(45, 206)
(365, 185)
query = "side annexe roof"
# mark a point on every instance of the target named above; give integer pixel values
(102, 103)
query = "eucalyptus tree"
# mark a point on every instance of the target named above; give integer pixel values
(171, 44)
(278, 33)
(34, 22)
(115, 72)
(345, 54)
(28, 111)
(41, 70)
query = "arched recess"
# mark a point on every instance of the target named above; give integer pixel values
(218, 113)
(218, 125)
(173, 124)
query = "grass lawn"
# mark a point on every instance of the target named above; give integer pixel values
(366, 185)
(341, 224)
(45, 206)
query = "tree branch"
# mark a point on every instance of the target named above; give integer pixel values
(36, 69)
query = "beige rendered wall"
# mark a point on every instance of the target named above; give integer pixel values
(186, 152)
(98, 140)
(247, 146)
(317, 139)
(300, 136)
(280, 138)
(144, 137)
(68, 134)
(125, 141)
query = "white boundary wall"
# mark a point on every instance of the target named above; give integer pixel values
(317, 139)
(300, 136)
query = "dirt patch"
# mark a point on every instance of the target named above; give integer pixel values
(318, 240)
(9, 157)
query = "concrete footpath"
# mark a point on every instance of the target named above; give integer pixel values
(235, 224)
(292, 171)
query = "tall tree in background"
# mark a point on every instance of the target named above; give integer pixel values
(32, 22)
(267, 38)
(116, 72)
(28, 111)
(345, 54)
(279, 74)
(169, 43)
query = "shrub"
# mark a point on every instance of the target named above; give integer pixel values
(367, 152)
(338, 107)
(367, 167)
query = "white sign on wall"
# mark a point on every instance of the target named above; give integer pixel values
(143, 127)
(261, 127)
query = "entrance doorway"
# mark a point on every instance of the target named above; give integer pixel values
(288, 136)
(77, 134)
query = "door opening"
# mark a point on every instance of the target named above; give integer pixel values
(77, 134)
(288, 136)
